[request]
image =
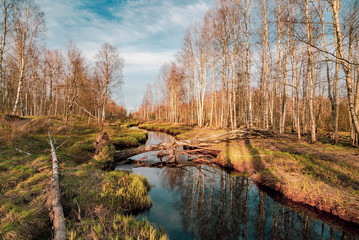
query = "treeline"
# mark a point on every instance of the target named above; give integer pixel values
(37, 81)
(282, 64)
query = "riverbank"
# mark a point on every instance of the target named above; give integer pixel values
(95, 201)
(320, 175)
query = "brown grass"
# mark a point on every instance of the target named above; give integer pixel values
(25, 170)
(305, 173)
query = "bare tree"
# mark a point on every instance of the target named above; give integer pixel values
(345, 60)
(265, 63)
(147, 102)
(75, 74)
(310, 72)
(7, 8)
(52, 72)
(219, 63)
(109, 66)
(332, 89)
(28, 24)
(248, 35)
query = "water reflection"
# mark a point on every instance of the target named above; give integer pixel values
(206, 203)
(151, 157)
(158, 137)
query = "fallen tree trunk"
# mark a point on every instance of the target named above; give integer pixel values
(56, 211)
(195, 146)
(168, 147)
(127, 153)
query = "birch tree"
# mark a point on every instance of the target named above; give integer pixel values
(28, 24)
(264, 75)
(109, 65)
(7, 8)
(310, 72)
(345, 60)
(75, 73)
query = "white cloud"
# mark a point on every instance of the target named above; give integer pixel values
(145, 61)
(147, 33)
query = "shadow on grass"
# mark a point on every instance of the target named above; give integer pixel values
(228, 157)
(257, 160)
(327, 174)
(343, 142)
(266, 175)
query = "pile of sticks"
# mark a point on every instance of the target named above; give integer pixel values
(201, 150)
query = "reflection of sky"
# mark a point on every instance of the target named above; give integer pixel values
(162, 212)
(158, 137)
(169, 208)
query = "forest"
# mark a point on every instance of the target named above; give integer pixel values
(282, 65)
(35, 81)
(251, 132)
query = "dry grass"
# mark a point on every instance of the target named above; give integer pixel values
(181, 131)
(25, 170)
(307, 174)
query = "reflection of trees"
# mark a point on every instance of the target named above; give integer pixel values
(215, 205)
(174, 177)
(210, 203)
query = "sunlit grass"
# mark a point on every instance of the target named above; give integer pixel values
(25, 172)
(181, 131)
(125, 137)
(312, 178)
(120, 227)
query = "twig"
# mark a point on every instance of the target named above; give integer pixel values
(63, 143)
(19, 150)
(201, 131)
(78, 209)
(85, 110)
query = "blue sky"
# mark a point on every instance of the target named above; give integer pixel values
(147, 33)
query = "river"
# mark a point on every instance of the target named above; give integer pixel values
(203, 202)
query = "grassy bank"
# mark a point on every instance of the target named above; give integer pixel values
(125, 137)
(320, 175)
(180, 131)
(173, 129)
(95, 202)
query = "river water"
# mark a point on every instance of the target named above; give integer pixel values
(203, 202)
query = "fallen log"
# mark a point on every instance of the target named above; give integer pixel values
(53, 201)
(195, 146)
(127, 153)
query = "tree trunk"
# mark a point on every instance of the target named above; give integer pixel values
(332, 94)
(19, 91)
(57, 214)
(278, 63)
(265, 63)
(310, 74)
(335, 6)
(3, 44)
(284, 83)
(248, 61)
